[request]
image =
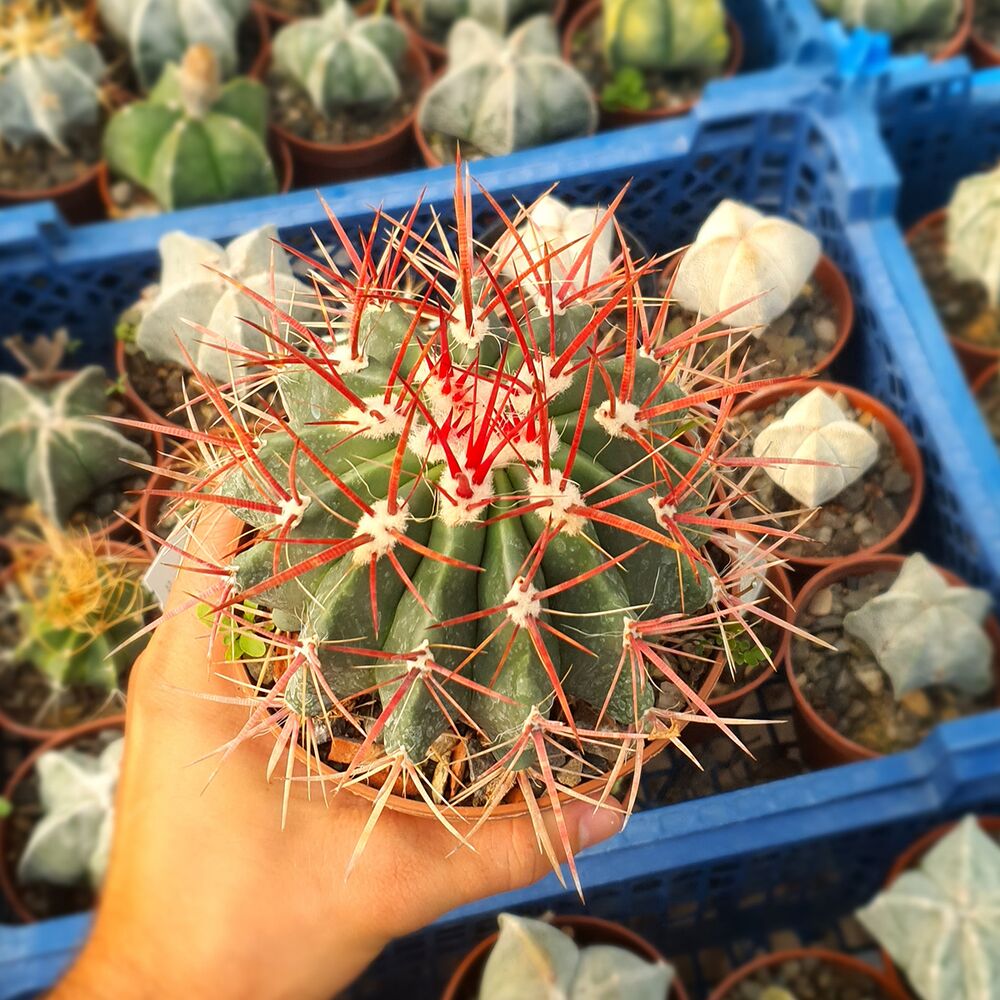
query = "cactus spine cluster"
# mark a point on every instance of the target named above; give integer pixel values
(50, 75)
(501, 95)
(343, 61)
(973, 245)
(898, 18)
(195, 141)
(159, 32)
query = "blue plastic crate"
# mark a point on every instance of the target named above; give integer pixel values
(729, 867)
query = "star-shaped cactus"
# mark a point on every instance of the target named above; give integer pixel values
(53, 449)
(940, 922)
(923, 631)
(829, 450)
(742, 254)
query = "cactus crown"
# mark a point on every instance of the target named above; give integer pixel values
(834, 451)
(534, 959)
(898, 18)
(159, 32)
(73, 839)
(54, 449)
(940, 921)
(478, 523)
(194, 141)
(923, 631)
(195, 310)
(76, 606)
(973, 245)
(50, 75)
(665, 35)
(343, 61)
(437, 16)
(501, 95)
(747, 264)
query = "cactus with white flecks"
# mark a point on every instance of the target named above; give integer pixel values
(930, 19)
(973, 231)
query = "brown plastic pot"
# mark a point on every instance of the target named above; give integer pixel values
(902, 441)
(912, 857)
(846, 963)
(318, 163)
(986, 376)
(972, 357)
(821, 744)
(983, 53)
(464, 983)
(8, 883)
(629, 116)
(961, 37)
(35, 734)
(831, 279)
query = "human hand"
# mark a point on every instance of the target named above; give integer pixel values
(206, 895)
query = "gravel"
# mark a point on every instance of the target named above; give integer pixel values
(989, 404)
(37, 166)
(807, 979)
(986, 23)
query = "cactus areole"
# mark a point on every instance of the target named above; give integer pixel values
(477, 529)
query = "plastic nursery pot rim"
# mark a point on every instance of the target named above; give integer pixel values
(35, 734)
(464, 982)
(973, 357)
(630, 116)
(837, 748)
(846, 963)
(281, 157)
(8, 882)
(962, 34)
(831, 279)
(901, 439)
(150, 506)
(986, 376)
(910, 858)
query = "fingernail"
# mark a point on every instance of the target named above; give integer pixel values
(598, 825)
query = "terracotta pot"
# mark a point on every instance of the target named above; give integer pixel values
(276, 18)
(906, 449)
(846, 963)
(318, 163)
(821, 744)
(982, 53)
(150, 505)
(437, 53)
(912, 857)
(628, 116)
(36, 734)
(986, 376)
(8, 883)
(831, 279)
(972, 357)
(464, 983)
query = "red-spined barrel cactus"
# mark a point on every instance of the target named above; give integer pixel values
(480, 521)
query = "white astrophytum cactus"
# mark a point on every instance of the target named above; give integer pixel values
(973, 245)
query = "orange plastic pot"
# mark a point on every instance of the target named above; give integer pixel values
(464, 983)
(972, 357)
(821, 744)
(151, 505)
(906, 449)
(629, 116)
(846, 963)
(8, 882)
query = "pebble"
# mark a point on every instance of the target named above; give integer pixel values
(822, 603)
(825, 330)
(917, 703)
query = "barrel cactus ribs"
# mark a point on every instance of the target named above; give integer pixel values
(478, 521)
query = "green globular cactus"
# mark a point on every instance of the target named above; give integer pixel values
(436, 16)
(72, 841)
(480, 522)
(504, 95)
(159, 32)
(940, 921)
(50, 76)
(343, 61)
(194, 141)
(973, 224)
(930, 19)
(665, 35)
(54, 449)
(534, 959)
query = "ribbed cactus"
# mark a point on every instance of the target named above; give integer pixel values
(159, 32)
(898, 18)
(436, 16)
(196, 310)
(343, 61)
(973, 246)
(501, 95)
(479, 525)
(54, 449)
(194, 141)
(72, 841)
(534, 959)
(50, 75)
(664, 35)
